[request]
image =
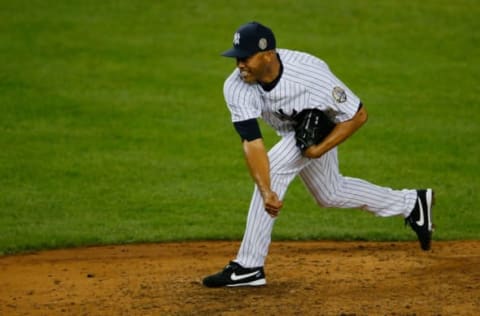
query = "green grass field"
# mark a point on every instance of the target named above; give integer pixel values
(113, 127)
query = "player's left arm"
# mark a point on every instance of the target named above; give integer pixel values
(340, 133)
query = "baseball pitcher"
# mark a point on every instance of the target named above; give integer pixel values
(313, 112)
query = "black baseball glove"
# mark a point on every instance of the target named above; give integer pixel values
(311, 128)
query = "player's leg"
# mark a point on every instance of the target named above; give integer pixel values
(247, 269)
(323, 179)
(285, 163)
(331, 189)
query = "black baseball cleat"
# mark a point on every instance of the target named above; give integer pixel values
(420, 219)
(236, 275)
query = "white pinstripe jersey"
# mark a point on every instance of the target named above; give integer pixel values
(306, 82)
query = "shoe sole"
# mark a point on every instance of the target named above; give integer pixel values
(258, 282)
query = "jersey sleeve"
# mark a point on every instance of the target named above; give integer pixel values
(337, 100)
(241, 99)
(344, 102)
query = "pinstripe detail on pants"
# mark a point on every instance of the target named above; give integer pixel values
(329, 188)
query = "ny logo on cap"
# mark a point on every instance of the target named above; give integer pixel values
(236, 39)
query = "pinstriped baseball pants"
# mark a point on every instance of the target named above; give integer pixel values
(329, 188)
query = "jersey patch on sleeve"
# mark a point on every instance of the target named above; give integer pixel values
(339, 95)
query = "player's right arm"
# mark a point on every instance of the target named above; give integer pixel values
(258, 163)
(243, 103)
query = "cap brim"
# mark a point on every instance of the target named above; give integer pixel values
(236, 52)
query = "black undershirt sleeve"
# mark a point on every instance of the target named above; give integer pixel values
(248, 130)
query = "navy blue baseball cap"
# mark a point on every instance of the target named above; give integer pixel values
(250, 39)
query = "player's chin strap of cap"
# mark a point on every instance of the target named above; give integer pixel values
(248, 130)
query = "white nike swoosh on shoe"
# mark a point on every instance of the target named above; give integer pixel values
(429, 208)
(236, 277)
(421, 221)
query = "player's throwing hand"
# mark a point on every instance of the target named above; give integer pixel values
(272, 203)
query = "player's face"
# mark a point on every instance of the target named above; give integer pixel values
(252, 68)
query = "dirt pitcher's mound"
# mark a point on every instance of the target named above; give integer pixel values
(303, 278)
